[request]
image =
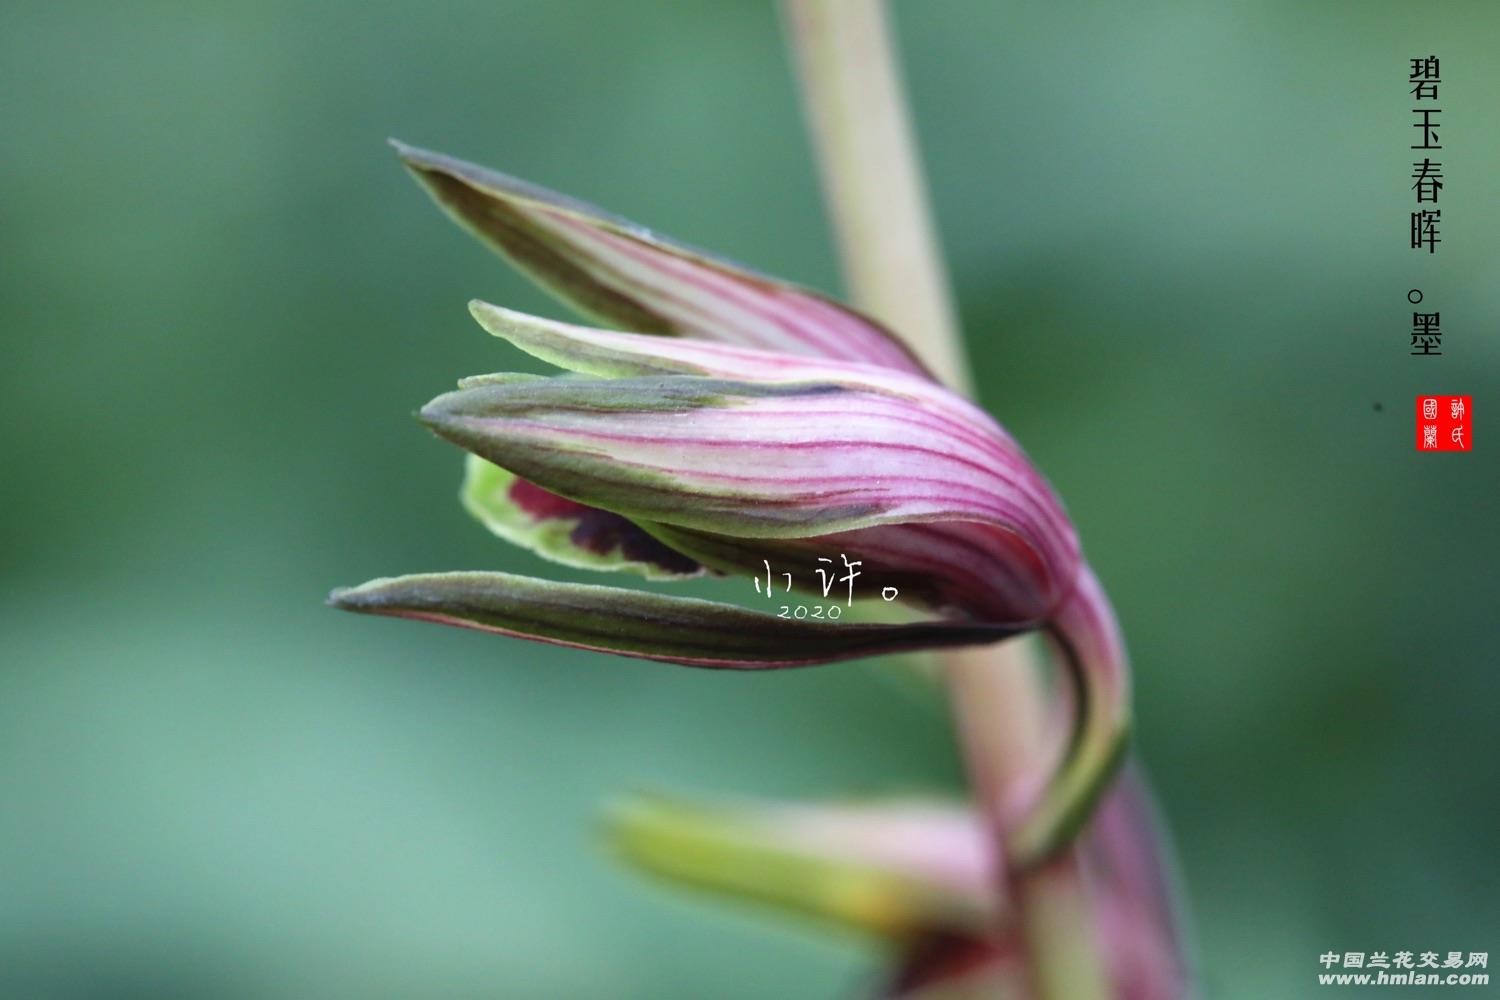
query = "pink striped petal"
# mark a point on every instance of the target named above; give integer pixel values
(960, 569)
(611, 354)
(649, 626)
(628, 276)
(952, 567)
(758, 460)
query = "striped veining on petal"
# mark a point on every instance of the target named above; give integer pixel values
(609, 354)
(649, 626)
(749, 459)
(626, 275)
(954, 568)
(778, 419)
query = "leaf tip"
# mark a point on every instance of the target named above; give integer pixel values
(497, 321)
(412, 156)
(358, 598)
(442, 411)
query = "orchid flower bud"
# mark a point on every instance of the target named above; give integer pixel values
(772, 424)
(918, 878)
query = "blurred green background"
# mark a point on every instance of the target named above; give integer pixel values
(1178, 234)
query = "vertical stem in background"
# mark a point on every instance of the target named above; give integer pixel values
(872, 177)
(894, 269)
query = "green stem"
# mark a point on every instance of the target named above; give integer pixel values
(872, 176)
(894, 270)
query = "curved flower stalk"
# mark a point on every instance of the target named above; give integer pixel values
(774, 427)
(917, 878)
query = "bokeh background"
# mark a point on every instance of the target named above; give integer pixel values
(1178, 235)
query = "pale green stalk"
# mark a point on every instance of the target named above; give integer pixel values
(894, 270)
(872, 177)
